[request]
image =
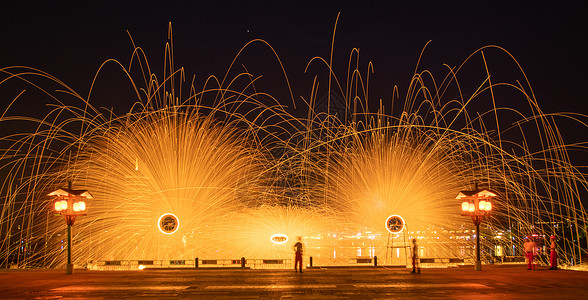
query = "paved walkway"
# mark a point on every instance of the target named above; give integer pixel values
(493, 282)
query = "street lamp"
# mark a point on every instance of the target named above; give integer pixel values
(70, 204)
(476, 204)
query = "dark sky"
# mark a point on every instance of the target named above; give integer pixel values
(70, 41)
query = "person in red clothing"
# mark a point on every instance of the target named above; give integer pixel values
(298, 248)
(552, 254)
(529, 247)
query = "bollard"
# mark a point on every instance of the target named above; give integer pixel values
(242, 262)
(196, 262)
(375, 261)
(310, 259)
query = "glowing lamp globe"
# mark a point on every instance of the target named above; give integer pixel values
(472, 207)
(61, 205)
(465, 206)
(79, 206)
(482, 205)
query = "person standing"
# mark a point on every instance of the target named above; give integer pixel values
(298, 249)
(416, 268)
(552, 254)
(529, 247)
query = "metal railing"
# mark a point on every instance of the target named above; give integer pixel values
(139, 264)
(126, 265)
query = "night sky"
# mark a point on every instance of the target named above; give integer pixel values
(70, 41)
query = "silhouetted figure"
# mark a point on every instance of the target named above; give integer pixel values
(298, 248)
(416, 268)
(529, 247)
(552, 254)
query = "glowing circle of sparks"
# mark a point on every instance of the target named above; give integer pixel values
(279, 238)
(395, 224)
(168, 223)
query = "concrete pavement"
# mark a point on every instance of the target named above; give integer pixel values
(493, 282)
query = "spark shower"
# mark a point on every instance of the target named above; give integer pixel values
(220, 169)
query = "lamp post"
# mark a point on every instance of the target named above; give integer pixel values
(70, 204)
(476, 204)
